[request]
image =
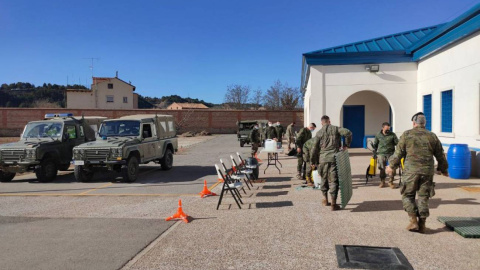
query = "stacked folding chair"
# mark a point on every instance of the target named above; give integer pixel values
(233, 176)
(229, 185)
(243, 172)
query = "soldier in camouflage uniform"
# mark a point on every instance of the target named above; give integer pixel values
(290, 134)
(307, 147)
(384, 145)
(303, 136)
(255, 140)
(271, 132)
(418, 146)
(280, 131)
(326, 144)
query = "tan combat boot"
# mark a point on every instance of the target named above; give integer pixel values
(299, 175)
(382, 183)
(413, 226)
(391, 185)
(325, 200)
(334, 205)
(421, 224)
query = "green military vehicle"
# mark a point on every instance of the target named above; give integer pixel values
(124, 143)
(244, 128)
(45, 146)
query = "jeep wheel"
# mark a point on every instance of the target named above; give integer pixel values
(242, 143)
(130, 173)
(47, 171)
(167, 160)
(81, 174)
(63, 167)
(6, 176)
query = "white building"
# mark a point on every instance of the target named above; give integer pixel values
(434, 69)
(105, 93)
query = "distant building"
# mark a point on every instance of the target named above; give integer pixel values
(105, 93)
(186, 106)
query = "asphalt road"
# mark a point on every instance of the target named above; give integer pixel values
(105, 223)
(191, 167)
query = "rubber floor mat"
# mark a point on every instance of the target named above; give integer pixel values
(468, 227)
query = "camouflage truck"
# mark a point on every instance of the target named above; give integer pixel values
(244, 128)
(45, 146)
(124, 143)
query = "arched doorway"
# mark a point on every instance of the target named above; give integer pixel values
(363, 113)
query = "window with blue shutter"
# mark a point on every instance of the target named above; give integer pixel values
(447, 111)
(427, 110)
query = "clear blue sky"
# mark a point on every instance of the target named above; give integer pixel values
(192, 48)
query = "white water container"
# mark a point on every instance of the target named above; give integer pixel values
(270, 145)
(316, 179)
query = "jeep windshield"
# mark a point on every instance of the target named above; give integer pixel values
(246, 125)
(47, 129)
(120, 128)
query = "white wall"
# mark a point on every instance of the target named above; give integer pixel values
(456, 68)
(376, 110)
(120, 90)
(80, 99)
(331, 86)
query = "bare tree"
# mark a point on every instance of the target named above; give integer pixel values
(257, 98)
(291, 98)
(272, 99)
(237, 96)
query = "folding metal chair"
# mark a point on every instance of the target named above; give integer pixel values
(233, 176)
(244, 171)
(229, 185)
(245, 165)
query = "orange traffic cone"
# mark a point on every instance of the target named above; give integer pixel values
(180, 214)
(256, 157)
(205, 192)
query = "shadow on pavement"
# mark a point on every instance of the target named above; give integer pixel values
(271, 194)
(278, 179)
(273, 204)
(277, 187)
(372, 206)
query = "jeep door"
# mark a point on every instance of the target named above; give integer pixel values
(149, 136)
(70, 139)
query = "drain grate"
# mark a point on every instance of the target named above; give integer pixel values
(366, 257)
(468, 227)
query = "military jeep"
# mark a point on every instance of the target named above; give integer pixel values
(124, 143)
(45, 146)
(244, 128)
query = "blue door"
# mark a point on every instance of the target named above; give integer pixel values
(354, 120)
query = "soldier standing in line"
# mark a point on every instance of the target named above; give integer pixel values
(418, 146)
(384, 144)
(271, 132)
(255, 140)
(304, 135)
(307, 147)
(280, 131)
(326, 144)
(290, 134)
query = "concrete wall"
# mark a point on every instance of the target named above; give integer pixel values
(455, 68)
(12, 120)
(330, 86)
(376, 110)
(80, 99)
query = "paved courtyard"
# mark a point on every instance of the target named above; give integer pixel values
(280, 226)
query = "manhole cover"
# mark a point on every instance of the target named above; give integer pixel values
(365, 257)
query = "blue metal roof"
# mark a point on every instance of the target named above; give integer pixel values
(396, 42)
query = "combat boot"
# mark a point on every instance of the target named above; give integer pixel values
(309, 182)
(391, 185)
(421, 224)
(334, 205)
(299, 175)
(325, 200)
(413, 226)
(382, 183)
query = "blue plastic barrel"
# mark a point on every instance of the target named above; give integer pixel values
(459, 161)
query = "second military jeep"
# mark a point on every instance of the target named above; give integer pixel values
(124, 143)
(244, 128)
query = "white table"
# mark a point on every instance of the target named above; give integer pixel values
(272, 159)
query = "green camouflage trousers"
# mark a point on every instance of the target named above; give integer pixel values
(299, 162)
(421, 184)
(254, 148)
(382, 164)
(308, 171)
(329, 178)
